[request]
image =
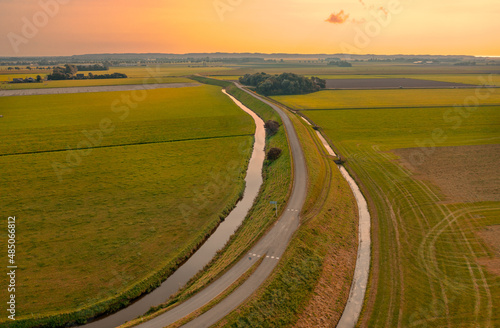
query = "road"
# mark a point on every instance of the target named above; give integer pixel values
(271, 247)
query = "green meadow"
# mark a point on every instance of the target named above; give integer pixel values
(334, 99)
(127, 209)
(56, 122)
(430, 267)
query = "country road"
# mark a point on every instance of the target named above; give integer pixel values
(271, 247)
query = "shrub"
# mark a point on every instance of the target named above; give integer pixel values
(271, 127)
(273, 154)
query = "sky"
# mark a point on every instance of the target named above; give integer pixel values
(72, 27)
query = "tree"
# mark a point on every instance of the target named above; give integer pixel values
(38, 78)
(70, 69)
(273, 154)
(271, 127)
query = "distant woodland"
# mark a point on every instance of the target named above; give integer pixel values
(283, 84)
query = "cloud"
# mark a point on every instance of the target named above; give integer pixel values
(339, 18)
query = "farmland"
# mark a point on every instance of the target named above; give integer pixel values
(125, 193)
(337, 99)
(136, 75)
(433, 264)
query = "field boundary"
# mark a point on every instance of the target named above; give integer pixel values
(131, 144)
(387, 107)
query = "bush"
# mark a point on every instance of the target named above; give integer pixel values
(271, 127)
(274, 154)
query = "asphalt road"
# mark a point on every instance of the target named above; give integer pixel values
(271, 247)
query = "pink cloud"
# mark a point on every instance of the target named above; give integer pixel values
(339, 18)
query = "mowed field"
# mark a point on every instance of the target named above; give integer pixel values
(435, 260)
(107, 197)
(337, 99)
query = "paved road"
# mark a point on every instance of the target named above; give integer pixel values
(271, 247)
(101, 88)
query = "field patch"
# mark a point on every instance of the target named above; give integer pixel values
(58, 122)
(490, 236)
(463, 173)
(390, 83)
(427, 248)
(337, 99)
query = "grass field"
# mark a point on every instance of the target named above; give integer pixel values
(55, 122)
(136, 75)
(123, 205)
(431, 267)
(90, 83)
(477, 79)
(336, 99)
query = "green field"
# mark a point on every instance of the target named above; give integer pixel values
(136, 75)
(91, 83)
(333, 99)
(138, 201)
(430, 266)
(55, 122)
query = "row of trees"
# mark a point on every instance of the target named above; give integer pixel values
(340, 63)
(68, 73)
(96, 67)
(283, 84)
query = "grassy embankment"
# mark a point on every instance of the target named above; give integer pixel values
(130, 208)
(430, 266)
(276, 186)
(312, 281)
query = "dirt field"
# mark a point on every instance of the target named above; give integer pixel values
(490, 236)
(463, 173)
(51, 91)
(391, 84)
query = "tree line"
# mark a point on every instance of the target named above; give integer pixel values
(68, 73)
(283, 84)
(96, 67)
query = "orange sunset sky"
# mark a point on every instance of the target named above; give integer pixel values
(68, 27)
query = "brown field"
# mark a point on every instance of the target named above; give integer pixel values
(463, 173)
(491, 237)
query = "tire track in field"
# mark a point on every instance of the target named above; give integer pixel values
(413, 205)
(450, 220)
(395, 299)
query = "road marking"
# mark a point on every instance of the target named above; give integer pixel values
(267, 256)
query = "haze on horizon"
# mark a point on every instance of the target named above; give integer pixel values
(70, 27)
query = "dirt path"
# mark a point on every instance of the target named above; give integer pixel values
(104, 88)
